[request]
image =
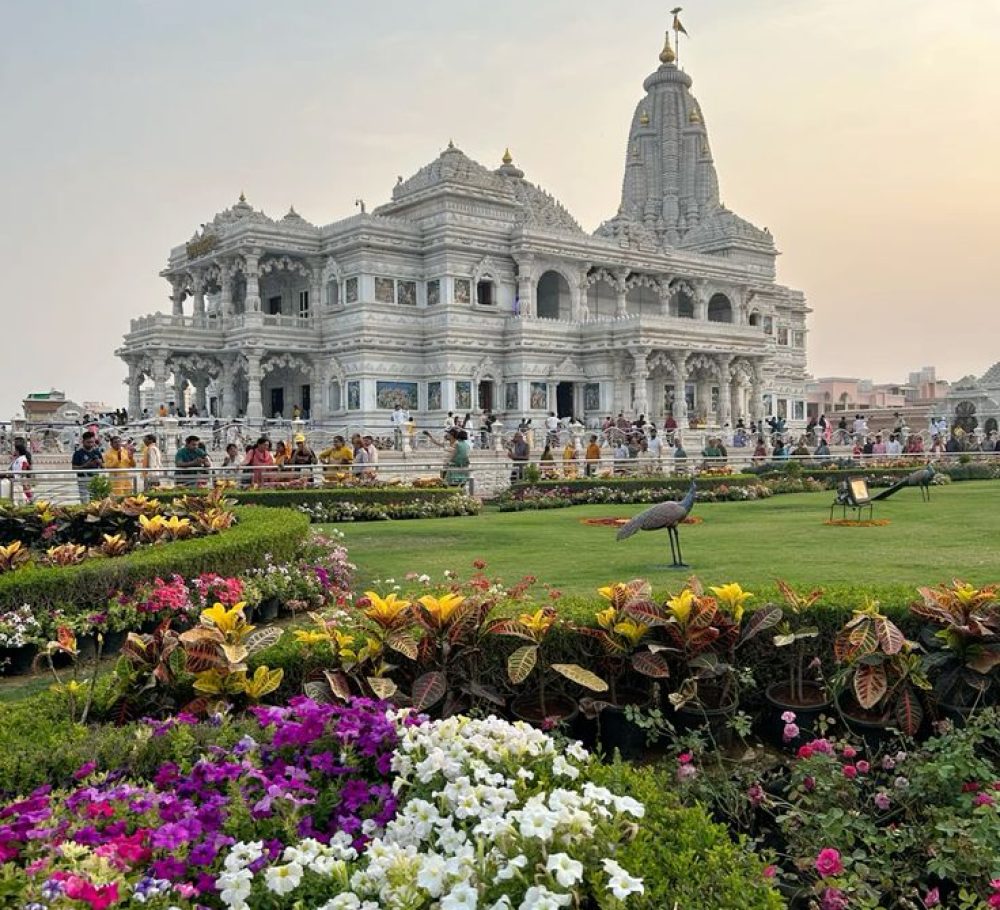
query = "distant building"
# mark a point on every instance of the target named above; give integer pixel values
(921, 395)
(50, 407)
(974, 404)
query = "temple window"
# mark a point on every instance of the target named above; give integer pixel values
(783, 336)
(385, 290)
(407, 293)
(485, 293)
(303, 304)
(434, 292)
(351, 290)
(720, 309)
(274, 305)
(768, 325)
(798, 339)
(755, 318)
(685, 305)
(332, 294)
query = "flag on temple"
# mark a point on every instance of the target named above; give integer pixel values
(678, 27)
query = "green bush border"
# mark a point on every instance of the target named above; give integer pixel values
(291, 498)
(86, 587)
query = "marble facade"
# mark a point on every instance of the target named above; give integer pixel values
(472, 288)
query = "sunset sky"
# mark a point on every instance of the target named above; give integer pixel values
(864, 135)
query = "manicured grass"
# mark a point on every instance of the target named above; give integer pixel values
(957, 534)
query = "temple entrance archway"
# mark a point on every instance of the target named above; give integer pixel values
(720, 309)
(486, 395)
(564, 399)
(553, 297)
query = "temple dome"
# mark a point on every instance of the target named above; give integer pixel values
(723, 225)
(991, 378)
(451, 167)
(455, 170)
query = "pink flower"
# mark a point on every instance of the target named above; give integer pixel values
(770, 871)
(684, 758)
(809, 783)
(932, 898)
(833, 899)
(755, 794)
(882, 801)
(788, 717)
(791, 732)
(687, 772)
(983, 799)
(828, 862)
(863, 767)
(805, 751)
(993, 900)
(850, 771)
(850, 751)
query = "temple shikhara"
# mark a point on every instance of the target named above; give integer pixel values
(474, 289)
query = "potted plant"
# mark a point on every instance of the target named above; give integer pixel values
(879, 676)
(542, 707)
(963, 641)
(806, 699)
(629, 658)
(704, 632)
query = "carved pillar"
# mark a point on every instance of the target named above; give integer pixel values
(255, 376)
(159, 382)
(226, 298)
(178, 293)
(201, 398)
(665, 293)
(679, 364)
(725, 390)
(253, 283)
(583, 309)
(320, 389)
(316, 290)
(641, 379)
(757, 393)
(134, 383)
(179, 384)
(621, 292)
(227, 389)
(526, 284)
(701, 302)
(198, 289)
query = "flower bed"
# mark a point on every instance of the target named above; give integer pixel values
(83, 589)
(315, 805)
(366, 503)
(558, 496)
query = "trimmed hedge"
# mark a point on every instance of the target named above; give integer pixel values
(293, 497)
(85, 587)
(680, 484)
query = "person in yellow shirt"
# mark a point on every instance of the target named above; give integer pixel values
(593, 457)
(569, 460)
(338, 454)
(118, 456)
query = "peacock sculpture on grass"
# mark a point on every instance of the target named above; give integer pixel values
(664, 515)
(922, 478)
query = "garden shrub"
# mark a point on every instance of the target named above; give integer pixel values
(85, 587)
(686, 859)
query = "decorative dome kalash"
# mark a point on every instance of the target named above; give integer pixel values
(670, 192)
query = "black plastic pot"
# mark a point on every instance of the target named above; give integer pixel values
(772, 727)
(874, 732)
(558, 710)
(86, 646)
(959, 714)
(113, 641)
(17, 661)
(715, 721)
(267, 610)
(610, 728)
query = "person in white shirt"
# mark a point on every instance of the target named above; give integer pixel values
(399, 419)
(371, 457)
(449, 421)
(892, 447)
(152, 462)
(654, 445)
(20, 470)
(621, 457)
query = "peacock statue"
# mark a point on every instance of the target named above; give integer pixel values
(664, 515)
(922, 478)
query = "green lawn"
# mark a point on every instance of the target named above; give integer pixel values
(956, 534)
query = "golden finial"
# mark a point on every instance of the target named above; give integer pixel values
(667, 54)
(644, 118)
(507, 157)
(243, 197)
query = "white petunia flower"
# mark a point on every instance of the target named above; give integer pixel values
(567, 871)
(460, 897)
(283, 879)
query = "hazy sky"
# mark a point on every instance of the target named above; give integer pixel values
(864, 134)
